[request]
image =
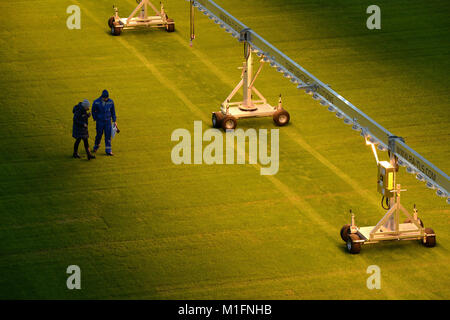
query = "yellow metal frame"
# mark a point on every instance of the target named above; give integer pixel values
(159, 20)
(248, 107)
(389, 227)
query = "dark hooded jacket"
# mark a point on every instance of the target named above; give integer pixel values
(80, 122)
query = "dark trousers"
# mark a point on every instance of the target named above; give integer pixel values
(77, 143)
(103, 126)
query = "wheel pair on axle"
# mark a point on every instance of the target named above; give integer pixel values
(116, 27)
(228, 122)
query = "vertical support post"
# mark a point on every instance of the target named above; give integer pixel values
(392, 222)
(353, 227)
(247, 104)
(248, 71)
(397, 209)
(192, 16)
(142, 14)
(393, 162)
(145, 10)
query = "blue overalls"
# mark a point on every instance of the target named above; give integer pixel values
(102, 113)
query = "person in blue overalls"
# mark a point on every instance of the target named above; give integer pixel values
(103, 112)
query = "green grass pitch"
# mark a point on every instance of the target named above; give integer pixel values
(141, 227)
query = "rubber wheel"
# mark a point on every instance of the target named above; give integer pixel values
(430, 241)
(345, 231)
(116, 31)
(409, 220)
(281, 117)
(111, 22)
(352, 246)
(229, 123)
(170, 27)
(217, 118)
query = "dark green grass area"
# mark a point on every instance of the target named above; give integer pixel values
(141, 227)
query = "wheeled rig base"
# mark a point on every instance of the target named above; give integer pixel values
(230, 112)
(143, 20)
(227, 119)
(388, 228)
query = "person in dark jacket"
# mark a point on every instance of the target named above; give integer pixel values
(103, 112)
(80, 131)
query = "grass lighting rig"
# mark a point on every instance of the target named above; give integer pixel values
(159, 20)
(400, 154)
(389, 227)
(230, 111)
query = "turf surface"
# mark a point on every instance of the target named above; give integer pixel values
(142, 227)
